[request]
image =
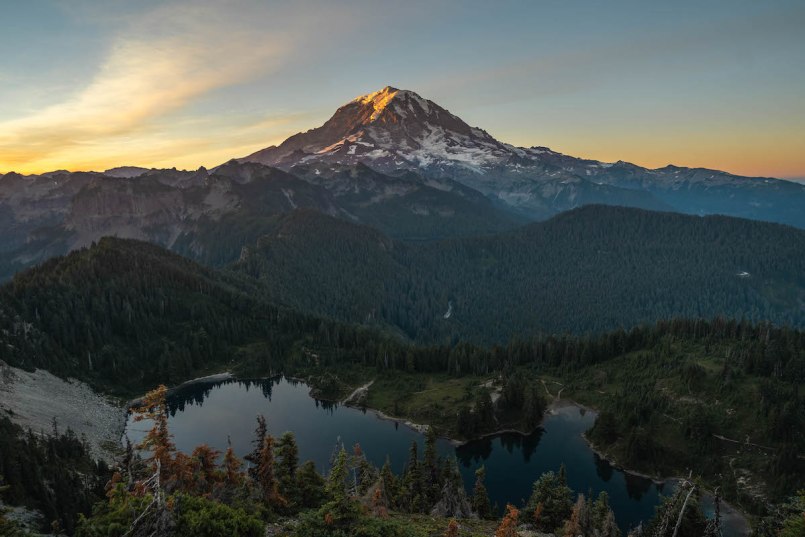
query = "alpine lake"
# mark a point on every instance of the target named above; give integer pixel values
(216, 412)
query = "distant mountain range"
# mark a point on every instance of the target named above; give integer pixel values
(390, 160)
(393, 130)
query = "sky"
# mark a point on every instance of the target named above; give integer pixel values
(89, 85)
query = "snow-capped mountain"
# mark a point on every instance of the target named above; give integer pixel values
(394, 130)
(391, 129)
(390, 160)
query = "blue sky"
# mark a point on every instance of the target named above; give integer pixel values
(94, 84)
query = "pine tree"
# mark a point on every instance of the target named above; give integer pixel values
(158, 440)
(342, 509)
(287, 465)
(266, 475)
(430, 468)
(600, 508)
(555, 498)
(508, 526)
(337, 479)
(232, 468)
(364, 472)
(390, 484)
(575, 524)
(412, 482)
(480, 498)
(309, 485)
(603, 519)
(253, 458)
(206, 471)
(609, 527)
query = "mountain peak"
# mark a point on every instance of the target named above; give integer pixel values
(388, 129)
(386, 93)
(382, 99)
(379, 100)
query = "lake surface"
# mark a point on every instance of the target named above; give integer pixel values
(217, 412)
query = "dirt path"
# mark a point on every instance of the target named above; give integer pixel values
(558, 395)
(724, 438)
(360, 390)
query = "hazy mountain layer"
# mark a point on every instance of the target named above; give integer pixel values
(210, 216)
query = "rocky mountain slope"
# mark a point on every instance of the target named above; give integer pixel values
(392, 130)
(390, 159)
(211, 215)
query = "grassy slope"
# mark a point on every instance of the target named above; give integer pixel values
(424, 399)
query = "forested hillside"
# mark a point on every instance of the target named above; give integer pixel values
(125, 315)
(592, 269)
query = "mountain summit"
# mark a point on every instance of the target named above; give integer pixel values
(395, 131)
(388, 129)
(390, 159)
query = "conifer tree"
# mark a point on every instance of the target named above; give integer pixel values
(430, 468)
(508, 526)
(309, 485)
(342, 509)
(158, 440)
(552, 497)
(574, 525)
(337, 479)
(287, 465)
(266, 475)
(390, 484)
(480, 498)
(206, 471)
(253, 458)
(364, 472)
(184, 472)
(603, 519)
(232, 468)
(412, 481)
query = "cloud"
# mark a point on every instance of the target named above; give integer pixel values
(167, 59)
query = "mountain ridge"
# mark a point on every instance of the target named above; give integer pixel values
(392, 130)
(389, 159)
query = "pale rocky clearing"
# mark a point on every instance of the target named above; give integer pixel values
(34, 399)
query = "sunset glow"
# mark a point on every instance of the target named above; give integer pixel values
(101, 84)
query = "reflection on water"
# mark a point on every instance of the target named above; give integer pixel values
(211, 412)
(602, 468)
(514, 462)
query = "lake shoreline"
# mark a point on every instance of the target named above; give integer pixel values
(728, 511)
(214, 377)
